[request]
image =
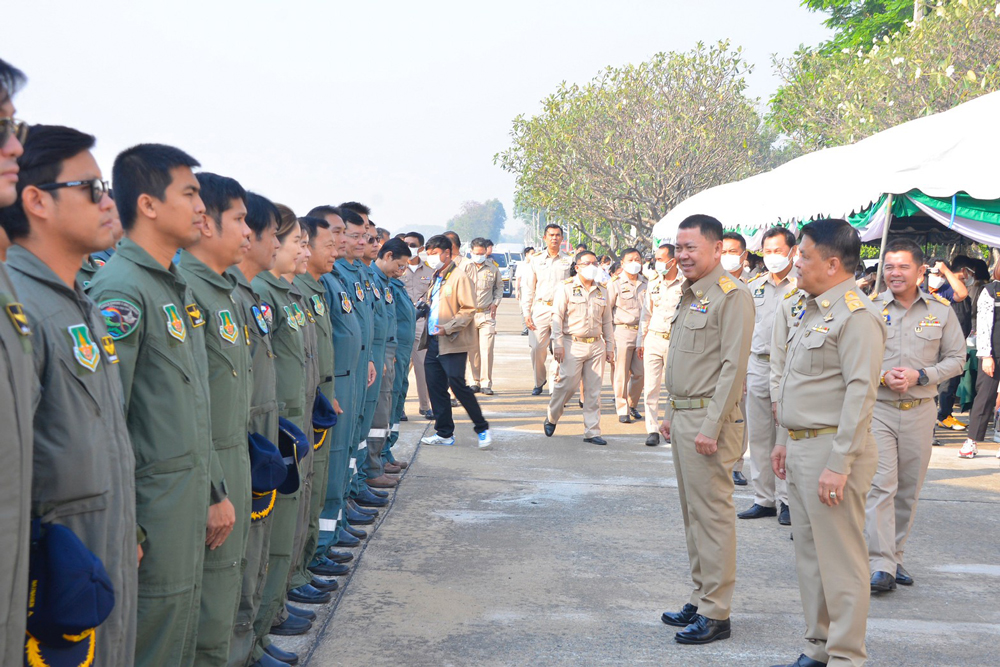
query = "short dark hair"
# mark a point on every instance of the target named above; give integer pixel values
(580, 247)
(417, 235)
(479, 242)
(836, 238)
(382, 231)
(669, 247)
(144, 169)
(527, 249)
(218, 193)
(456, 240)
(311, 224)
(553, 225)
(287, 221)
(779, 231)
(325, 210)
(706, 225)
(735, 236)
(11, 80)
(576, 259)
(397, 247)
(45, 150)
(959, 262)
(357, 207)
(350, 216)
(439, 242)
(261, 214)
(905, 245)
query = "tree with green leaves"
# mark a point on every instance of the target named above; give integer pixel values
(485, 219)
(610, 157)
(860, 23)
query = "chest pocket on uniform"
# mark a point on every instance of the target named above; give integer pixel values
(758, 306)
(692, 338)
(809, 360)
(930, 337)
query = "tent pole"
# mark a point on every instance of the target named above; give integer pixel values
(885, 238)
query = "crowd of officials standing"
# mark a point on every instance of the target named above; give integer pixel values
(200, 393)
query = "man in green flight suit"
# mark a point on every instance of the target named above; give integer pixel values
(224, 241)
(158, 330)
(406, 332)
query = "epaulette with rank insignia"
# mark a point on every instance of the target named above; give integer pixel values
(853, 301)
(567, 281)
(941, 299)
(791, 294)
(727, 284)
(758, 277)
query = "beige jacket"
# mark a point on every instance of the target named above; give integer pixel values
(456, 310)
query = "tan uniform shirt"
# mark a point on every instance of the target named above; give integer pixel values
(928, 336)
(833, 348)
(659, 304)
(767, 295)
(582, 312)
(625, 299)
(709, 346)
(486, 282)
(418, 282)
(544, 275)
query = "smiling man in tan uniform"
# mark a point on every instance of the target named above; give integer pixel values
(826, 356)
(710, 344)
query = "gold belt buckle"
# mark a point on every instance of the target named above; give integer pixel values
(906, 405)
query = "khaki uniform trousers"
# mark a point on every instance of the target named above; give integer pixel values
(417, 364)
(583, 362)
(538, 340)
(627, 370)
(486, 333)
(705, 486)
(763, 435)
(830, 551)
(738, 466)
(904, 452)
(654, 360)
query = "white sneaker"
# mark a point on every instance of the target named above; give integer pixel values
(436, 439)
(998, 454)
(968, 450)
(485, 440)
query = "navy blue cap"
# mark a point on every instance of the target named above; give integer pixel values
(71, 594)
(324, 418)
(261, 504)
(293, 445)
(267, 469)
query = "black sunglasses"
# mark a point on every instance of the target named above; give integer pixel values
(98, 188)
(10, 126)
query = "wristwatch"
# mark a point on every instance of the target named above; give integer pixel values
(922, 380)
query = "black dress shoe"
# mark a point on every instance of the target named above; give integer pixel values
(524, 332)
(339, 556)
(549, 427)
(903, 577)
(356, 532)
(344, 539)
(757, 512)
(804, 661)
(286, 657)
(624, 419)
(580, 403)
(293, 625)
(404, 418)
(324, 584)
(306, 594)
(327, 568)
(739, 479)
(301, 613)
(537, 391)
(784, 515)
(652, 440)
(429, 414)
(454, 402)
(357, 518)
(634, 414)
(883, 582)
(704, 631)
(596, 440)
(682, 618)
(475, 388)
(268, 661)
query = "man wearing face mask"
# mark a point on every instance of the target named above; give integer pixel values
(488, 284)
(417, 279)
(734, 260)
(625, 295)
(769, 291)
(659, 303)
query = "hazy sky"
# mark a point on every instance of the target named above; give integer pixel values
(400, 105)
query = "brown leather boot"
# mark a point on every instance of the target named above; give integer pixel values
(392, 469)
(381, 482)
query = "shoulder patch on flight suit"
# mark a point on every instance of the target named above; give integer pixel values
(358, 291)
(378, 294)
(121, 317)
(175, 325)
(259, 318)
(16, 313)
(345, 303)
(319, 305)
(941, 299)
(227, 328)
(84, 348)
(108, 343)
(727, 284)
(290, 318)
(194, 312)
(388, 296)
(853, 301)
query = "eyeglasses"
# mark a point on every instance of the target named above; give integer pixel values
(10, 126)
(354, 237)
(98, 188)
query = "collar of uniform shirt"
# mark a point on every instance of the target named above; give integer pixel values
(706, 281)
(828, 299)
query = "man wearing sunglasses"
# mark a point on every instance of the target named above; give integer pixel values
(84, 468)
(16, 390)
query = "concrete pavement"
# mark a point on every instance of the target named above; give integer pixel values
(550, 550)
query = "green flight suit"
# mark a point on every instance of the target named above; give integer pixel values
(159, 333)
(287, 339)
(263, 420)
(18, 387)
(381, 420)
(406, 325)
(227, 341)
(315, 297)
(350, 345)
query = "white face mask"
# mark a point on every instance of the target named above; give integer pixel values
(776, 263)
(434, 261)
(479, 259)
(413, 267)
(661, 267)
(935, 281)
(970, 281)
(632, 268)
(589, 272)
(732, 262)
(422, 255)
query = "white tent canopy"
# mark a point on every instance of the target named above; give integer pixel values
(942, 154)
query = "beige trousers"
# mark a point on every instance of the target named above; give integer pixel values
(654, 360)
(830, 553)
(583, 362)
(538, 340)
(486, 332)
(417, 363)
(763, 435)
(705, 486)
(904, 452)
(627, 370)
